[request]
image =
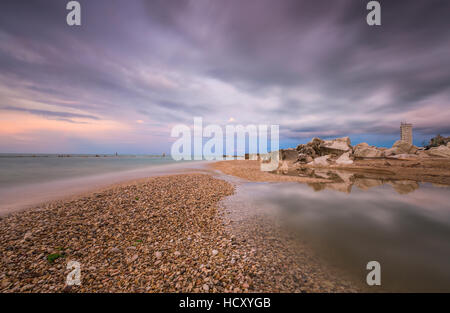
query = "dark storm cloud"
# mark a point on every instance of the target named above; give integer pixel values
(314, 67)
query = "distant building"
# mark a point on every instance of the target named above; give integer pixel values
(406, 132)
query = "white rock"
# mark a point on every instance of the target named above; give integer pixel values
(363, 150)
(322, 161)
(344, 159)
(215, 252)
(441, 151)
(338, 144)
(158, 254)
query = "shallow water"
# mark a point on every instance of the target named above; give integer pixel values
(403, 225)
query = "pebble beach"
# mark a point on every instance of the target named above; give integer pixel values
(161, 234)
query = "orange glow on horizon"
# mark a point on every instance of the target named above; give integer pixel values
(17, 123)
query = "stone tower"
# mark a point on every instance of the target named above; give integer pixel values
(406, 132)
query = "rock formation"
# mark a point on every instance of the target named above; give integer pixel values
(363, 150)
(336, 146)
(401, 147)
(339, 151)
(441, 151)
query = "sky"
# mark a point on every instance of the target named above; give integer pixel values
(134, 69)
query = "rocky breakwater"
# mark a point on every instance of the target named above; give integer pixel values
(340, 152)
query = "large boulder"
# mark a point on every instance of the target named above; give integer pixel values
(363, 150)
(307, 150)
(311, 149)
(289, 154)
(401, 147)
(344, 159)
(304, 158)
(441, 151)
(336, 146)
(321, 161)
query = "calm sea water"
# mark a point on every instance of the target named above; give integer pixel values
(27, 181)
(17, 170)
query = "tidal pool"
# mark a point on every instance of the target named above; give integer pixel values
(404, 225)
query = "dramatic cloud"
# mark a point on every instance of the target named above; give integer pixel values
(136, 68)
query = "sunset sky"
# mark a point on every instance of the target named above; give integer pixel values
(134, 69)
